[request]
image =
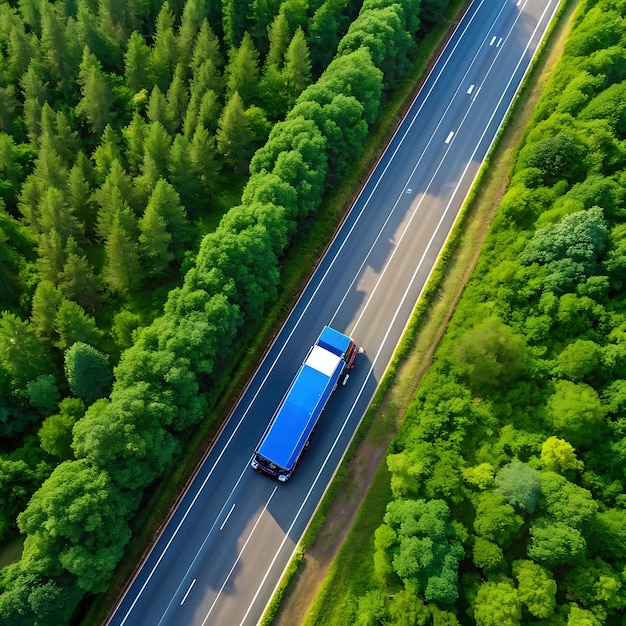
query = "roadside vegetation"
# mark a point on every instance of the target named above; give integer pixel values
(158, 160)
(505, 483)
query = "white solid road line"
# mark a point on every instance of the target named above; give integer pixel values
(193, 582)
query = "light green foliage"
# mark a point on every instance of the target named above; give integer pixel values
(45, 305)
(536, 588)
(136, 63)
(566, 502)
(297, 70)
(496, 520)
(78, 281)
(480, 476)
(73, 324)
(581, 359)
(555, 543)
(56, 431)
(520, 485)
(21, 352)
(122, 270)
(97, 98)
(497, 604)
(582, 617)
(575, 412)
(557, 455)
(243, 71)
(487, 555)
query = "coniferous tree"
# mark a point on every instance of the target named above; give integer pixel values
(243, 71)
(182, 173)
(233, 21)
(234, 136)
(45, 304)
(158, 110)
(137, 71)
(164, 51)
(107, 152)
(78, 281)
(177, 99)
(194, 15)
(134, 135)
(122, 270)
(206, 48)
(279, 37)
(97, 97)
(297, 70)
(204, 159)
(35, 92)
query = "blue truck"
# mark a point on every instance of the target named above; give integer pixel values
(289, 430)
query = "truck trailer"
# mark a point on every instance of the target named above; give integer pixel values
(289, 430)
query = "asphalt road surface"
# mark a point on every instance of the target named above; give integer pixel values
(221, 555)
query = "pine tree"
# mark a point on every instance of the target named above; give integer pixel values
(233, 21)
(297, 70)
(78, 281)
(182, 173)
(158, 110)
(279, 36)
(137, 71)
(204, 158)
(243, 71)
(177, 99)
(134, 135)
(97, 98)
(206, 48)
(164, 51)
(35, 93)
(122, 270)
(194, 14)
(107, 152)
(234, 137)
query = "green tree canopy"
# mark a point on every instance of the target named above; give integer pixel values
(575, 412)
(88, 372)
(520, 485)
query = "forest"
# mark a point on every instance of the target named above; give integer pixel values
(157, 159)
(508, 473)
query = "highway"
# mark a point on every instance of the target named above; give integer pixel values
(222, 553)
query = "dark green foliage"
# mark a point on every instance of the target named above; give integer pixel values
(88, 372)
(88, 543)
(419, 545)
(490, 354)
(19, 479)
